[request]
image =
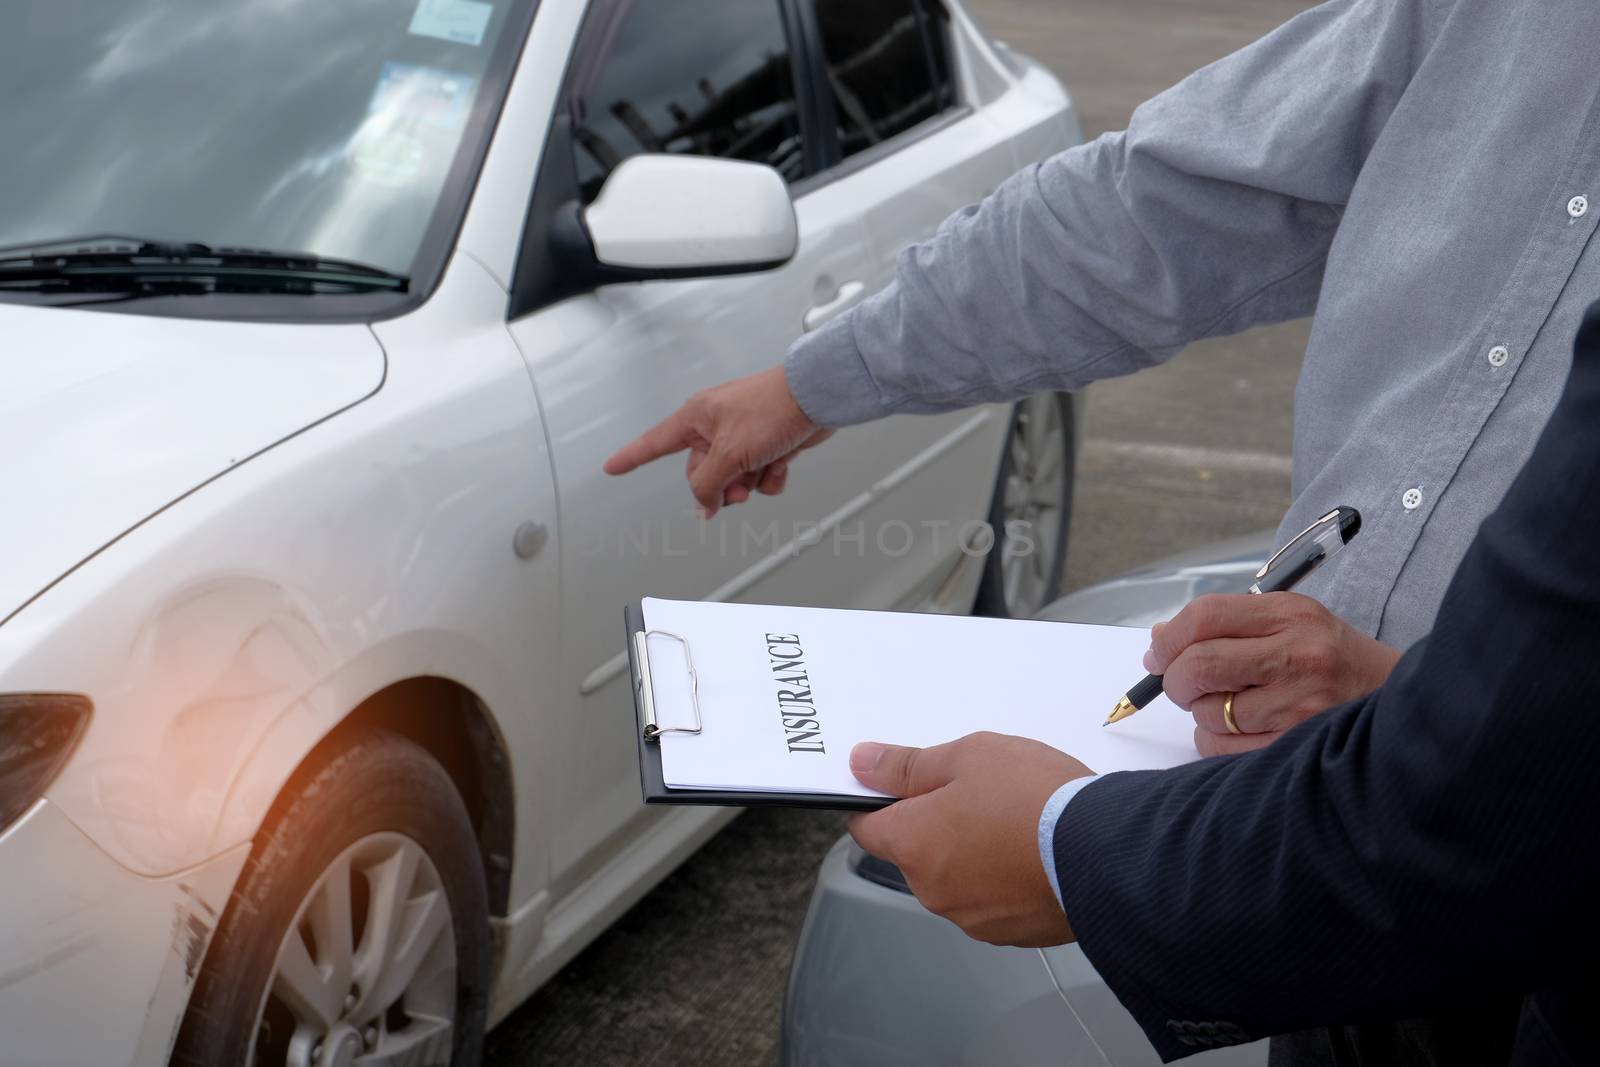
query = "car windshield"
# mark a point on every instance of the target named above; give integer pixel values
(329, 128)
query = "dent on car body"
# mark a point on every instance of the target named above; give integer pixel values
(226, 659)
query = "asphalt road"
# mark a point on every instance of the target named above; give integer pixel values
(1175, 457)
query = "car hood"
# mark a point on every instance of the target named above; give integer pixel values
(1159, 591)
(106, 419)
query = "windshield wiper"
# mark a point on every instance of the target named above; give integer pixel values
(135, 267)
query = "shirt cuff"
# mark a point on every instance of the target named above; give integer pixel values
(1047, 829)
(830, 380)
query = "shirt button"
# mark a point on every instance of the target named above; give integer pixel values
(1578, 206)
(1411, 499)
(1498, 355)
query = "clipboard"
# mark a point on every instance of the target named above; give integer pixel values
(648, 733)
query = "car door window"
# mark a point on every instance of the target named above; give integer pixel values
(888, 66)
(711, 78)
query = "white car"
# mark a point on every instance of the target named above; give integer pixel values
(314, 732)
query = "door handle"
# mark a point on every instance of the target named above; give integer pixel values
(849, 294)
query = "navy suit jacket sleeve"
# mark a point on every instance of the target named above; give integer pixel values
(1434, 840)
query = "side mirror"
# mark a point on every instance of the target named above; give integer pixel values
(682, 216)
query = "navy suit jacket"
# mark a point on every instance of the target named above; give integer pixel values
(1433, 844)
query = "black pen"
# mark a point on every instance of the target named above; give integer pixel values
(1315, 545)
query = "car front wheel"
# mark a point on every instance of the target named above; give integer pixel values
(357, 934)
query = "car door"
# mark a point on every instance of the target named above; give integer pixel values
(710, 78)
(907, 144)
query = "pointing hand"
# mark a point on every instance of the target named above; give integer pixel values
(740, 437)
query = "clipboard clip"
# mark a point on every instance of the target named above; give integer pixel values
(641, 648)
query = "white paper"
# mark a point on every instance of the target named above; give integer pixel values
(459, 21)
(885, 676)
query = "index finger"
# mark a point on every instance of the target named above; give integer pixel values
(1208, 618)
(671, 434)
(886, 832)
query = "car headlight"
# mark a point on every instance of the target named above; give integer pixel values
(38, 731)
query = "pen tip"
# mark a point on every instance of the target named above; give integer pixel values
(1105, 724)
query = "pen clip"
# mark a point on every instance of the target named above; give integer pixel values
(1332, 516)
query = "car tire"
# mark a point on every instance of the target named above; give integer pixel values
(371, 828)
(1030, 510)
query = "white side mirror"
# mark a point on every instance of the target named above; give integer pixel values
(692, 214)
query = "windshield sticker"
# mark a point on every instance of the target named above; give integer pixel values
(458, 21)
(394, 160)
(409, 95)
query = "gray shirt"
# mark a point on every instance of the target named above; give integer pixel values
(1418, 172)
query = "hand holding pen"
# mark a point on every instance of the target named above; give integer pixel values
(1285, 659)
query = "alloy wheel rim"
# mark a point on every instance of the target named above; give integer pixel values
(366, 973)
(1034, 496)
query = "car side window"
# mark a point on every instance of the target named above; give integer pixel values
(709, 78)
(888, 66)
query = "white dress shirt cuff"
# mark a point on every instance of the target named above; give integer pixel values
(1047, 829)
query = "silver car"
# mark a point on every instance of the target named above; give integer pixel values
(879, 980)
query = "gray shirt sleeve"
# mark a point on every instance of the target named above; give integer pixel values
(1214, 211)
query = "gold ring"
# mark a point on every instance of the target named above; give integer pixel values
(1227, 715)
